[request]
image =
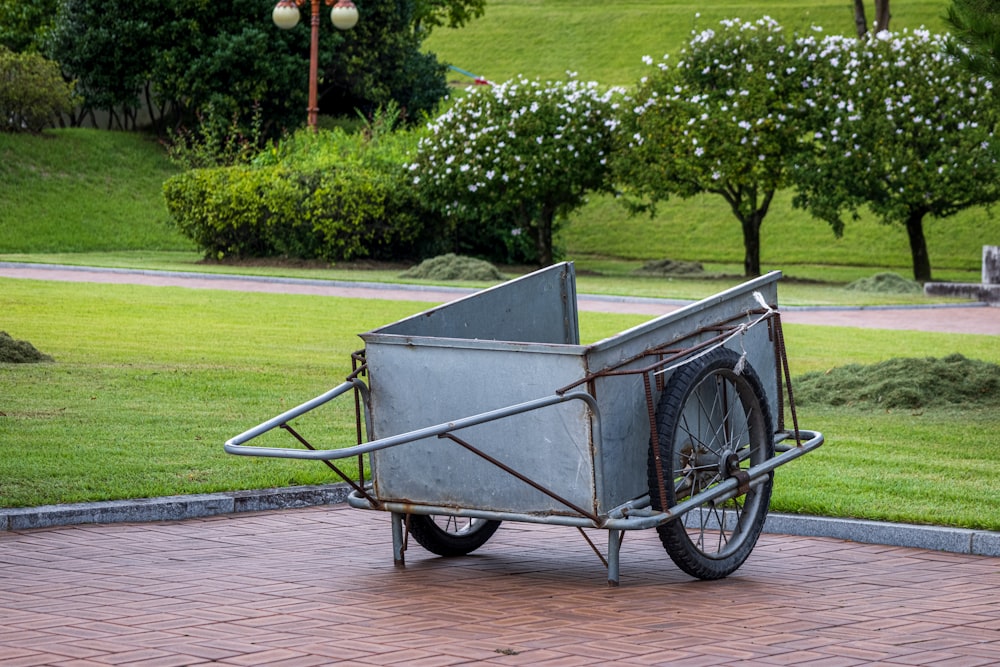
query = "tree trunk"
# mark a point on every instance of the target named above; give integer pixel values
(918, 246)
(543, 239)
(860, 21)
(751, 243)
(882, 15)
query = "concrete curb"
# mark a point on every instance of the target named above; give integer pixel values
(176, 508)
(171, 508)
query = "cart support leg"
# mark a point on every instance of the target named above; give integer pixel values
(614, 547)
(398, 521)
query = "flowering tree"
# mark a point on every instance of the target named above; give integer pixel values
(902, 128)
(724, 120)
(510, 159)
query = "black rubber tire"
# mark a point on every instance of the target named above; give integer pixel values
(457, 537)
(706, 414)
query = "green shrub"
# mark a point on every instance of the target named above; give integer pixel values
(217, 141)
(508, 162)
(32, 92)
(329, 195)
(227, 210)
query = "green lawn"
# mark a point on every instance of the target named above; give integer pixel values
(150, 381)
(84, 190)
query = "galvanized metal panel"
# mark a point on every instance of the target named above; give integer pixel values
(537, 308)
(413, 386)
(514, 343)
(622, 399)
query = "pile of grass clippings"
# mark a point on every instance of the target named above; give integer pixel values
(904, 383)
(670, 267)
(886, 283)
(454, 267)
(14, 351)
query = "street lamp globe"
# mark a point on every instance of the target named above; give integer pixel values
(344, 15)
(286, 14)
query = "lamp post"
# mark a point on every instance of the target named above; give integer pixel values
(344, 16)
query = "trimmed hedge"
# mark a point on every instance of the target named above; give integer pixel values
(358, 209)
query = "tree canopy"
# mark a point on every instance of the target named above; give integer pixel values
(899, 128)
(24, 26)
(186, 59)
(725, 120)
(976, 26)
(508, 160)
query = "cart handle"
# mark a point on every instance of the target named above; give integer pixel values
(235, 445)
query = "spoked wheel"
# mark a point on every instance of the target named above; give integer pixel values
(451, 535)
(712, 424)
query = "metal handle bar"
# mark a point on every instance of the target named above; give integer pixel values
(235, 445)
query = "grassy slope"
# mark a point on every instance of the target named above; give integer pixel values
(84, 190)
(606, 42)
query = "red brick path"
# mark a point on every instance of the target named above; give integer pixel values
(317, 586)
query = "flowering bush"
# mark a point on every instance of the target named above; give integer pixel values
(899, 126)
(725, 120)
(504, 162)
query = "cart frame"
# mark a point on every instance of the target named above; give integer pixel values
(652, 365)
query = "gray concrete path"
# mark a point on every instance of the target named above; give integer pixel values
(972, 318)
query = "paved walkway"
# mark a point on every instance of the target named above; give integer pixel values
(976, 318)
(317, 586)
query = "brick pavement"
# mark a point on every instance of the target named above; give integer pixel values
(317, 586)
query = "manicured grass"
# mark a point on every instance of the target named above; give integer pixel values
(704, 229)
(606, 43)
(930, 467)
(149, 382)
(84, 190)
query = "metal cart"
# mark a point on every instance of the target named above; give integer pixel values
(488, 409)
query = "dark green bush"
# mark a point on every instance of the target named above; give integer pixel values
(329, 195)
(32, 92)
(237, 211)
